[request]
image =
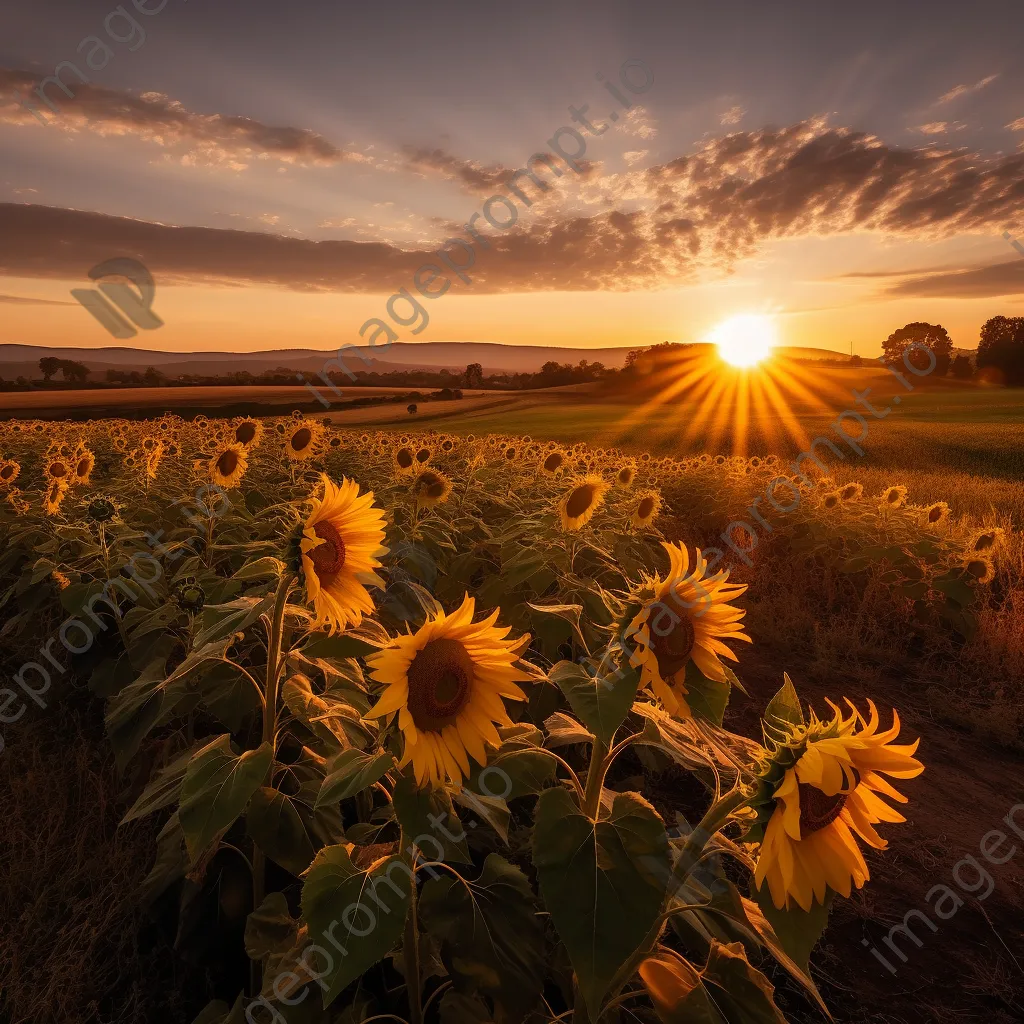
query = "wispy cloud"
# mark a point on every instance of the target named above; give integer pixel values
(732, 116)
(965, 90)
(192, 137)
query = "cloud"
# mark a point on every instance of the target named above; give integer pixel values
(1016, 126)
(940, 127)
(209, 139)
(657, 226)
(732, 116)
(23, 300)
(964, 90)
(997, 279)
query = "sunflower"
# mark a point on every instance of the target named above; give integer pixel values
(84, 463)
(820, 787)
(423, 456)
(830, 500)
(340, 547)
(646, 509)
(850, 492)
(552, 463)
(228, 466)
(9, 471)
(431, 488)
(893, 497)
(153, 460)
(987, 541)
(682, 618)
(981, 568)
(937, 514)
(301, 440)
(248, 432)
(57, 469)
(16, 501)
(446, 682)
(625, 476)
(581, 501)
(405, 460)
(55, 492)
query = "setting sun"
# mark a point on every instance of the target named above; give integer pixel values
(745, 340)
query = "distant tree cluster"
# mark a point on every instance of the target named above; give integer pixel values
(72, 371)
(1001, 348)
(921, 339)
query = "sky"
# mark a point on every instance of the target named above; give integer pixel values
(285, 170)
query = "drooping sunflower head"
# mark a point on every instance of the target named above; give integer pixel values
(447, 682)
(228, 465)
(893, 497)
(56, 491)
(9, 472)
(84, 463)
(248, 431)
(680, 618)
(625, 476)
(936, 515)
(405, 460)
(101, 510)
(188, 595)
(301, 439)
(583, 498)
(552, 463)
(153, 460)
(646, 509)
(987, 541)
(820, 787)
(431, 488)
(340, 547)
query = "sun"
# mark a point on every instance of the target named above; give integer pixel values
(745, 340)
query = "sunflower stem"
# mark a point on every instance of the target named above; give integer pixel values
(274, 639)
(717, 816)
(411, 945)
(595, 779)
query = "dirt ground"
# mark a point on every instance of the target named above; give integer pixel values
(971, 968)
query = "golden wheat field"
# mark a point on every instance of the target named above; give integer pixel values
(416, 726)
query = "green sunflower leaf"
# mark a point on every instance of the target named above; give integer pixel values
(602, 703)
(603, 882)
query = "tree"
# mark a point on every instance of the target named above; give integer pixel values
(153, 378)
(962, 368)
(74, 371)
(49, 365)
(411, 408)
(931, 336)
(856, 360)
(474, 375)
(1001, 347)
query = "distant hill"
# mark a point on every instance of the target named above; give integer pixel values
(23, 360)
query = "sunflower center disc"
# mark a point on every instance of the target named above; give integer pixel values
(301, 439)
(328, 558)
(404, 458)
(818, 809)
(645, 508)
(83, 467)
(245, 433)
(552, 462)
(6, 472)
(673, 649)
(440, 677)
(579, 501)
(227, 463)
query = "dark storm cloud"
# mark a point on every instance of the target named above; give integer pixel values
(657, 226)
(154, 117)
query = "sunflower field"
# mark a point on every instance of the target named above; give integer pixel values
(435, 724)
